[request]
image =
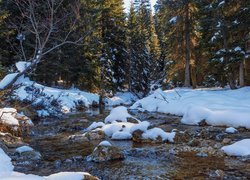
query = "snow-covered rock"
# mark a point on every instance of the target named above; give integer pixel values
(240, 148)
(231, 130)
(104, 143)
(219, 107)
(24, 149)
(105, 152)
(119, 114)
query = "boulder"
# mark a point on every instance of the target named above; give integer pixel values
(106, 152)
(95, 135)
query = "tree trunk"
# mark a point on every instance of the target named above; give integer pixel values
(187, 82)
(241, 74)
(193, 76)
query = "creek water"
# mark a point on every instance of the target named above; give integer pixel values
(50, 136)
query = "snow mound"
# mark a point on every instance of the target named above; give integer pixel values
(121, 135)
(231, 130)
(5, 166)
(119, 113)
(219, 107)
(240, 148)
(7, 79)
(24, 149)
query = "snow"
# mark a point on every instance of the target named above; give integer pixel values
(95, 125)
(240, 148)
(157, 132)
(121, 135)
(105, 143)
(7, 173)
(231, 130)
(119, 113)
(67, 98)
(143, 126)
(22, 65)
(124, 130)
(5, 166)
(237, 48)
(173, 20)
(8, 116)
(121, 98)
(220, 107)
(221, 3)
(7, 79)
(24, 149)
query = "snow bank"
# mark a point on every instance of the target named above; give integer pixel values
(240, 148)
(118, 114)
(216, 106)
(121, 98)
(68, 99)
(7, 79)
(6, 172)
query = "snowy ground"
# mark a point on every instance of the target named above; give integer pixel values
(216, 106)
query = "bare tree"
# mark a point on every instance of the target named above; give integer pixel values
(49, 24)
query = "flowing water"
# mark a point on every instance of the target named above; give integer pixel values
(143, 161)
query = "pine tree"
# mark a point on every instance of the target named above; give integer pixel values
(114, 61)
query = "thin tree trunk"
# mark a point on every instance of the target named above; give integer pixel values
(187, 82)
(193, 76)
(241, 74)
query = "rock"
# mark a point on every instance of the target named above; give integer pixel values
(3, 146)
(105, 152)
(89, 177)
(30, 155)
(11, 141)
(220, 137)
(137, 135)
(203, 123)
(181, 137)
(95, 135)
(194, 143)
(77, 138)
(132, 120)
(218, 174)
(226, 141)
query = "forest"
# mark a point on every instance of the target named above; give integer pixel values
(198, 43)
(124, 89)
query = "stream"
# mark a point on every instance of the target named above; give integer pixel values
(182, 160)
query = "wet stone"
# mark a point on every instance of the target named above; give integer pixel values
(182, 136)
(95, 135)
(104, 153)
